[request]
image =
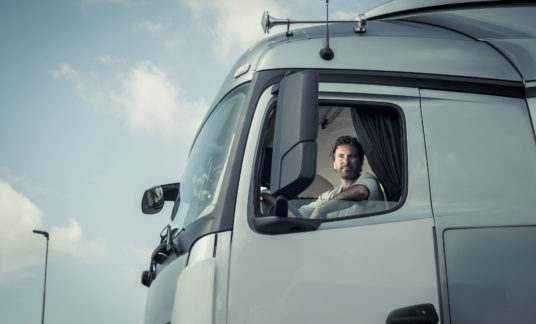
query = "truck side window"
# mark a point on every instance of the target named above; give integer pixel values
(378, 130)
(203, 177)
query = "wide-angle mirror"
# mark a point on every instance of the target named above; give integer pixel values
(153, 199)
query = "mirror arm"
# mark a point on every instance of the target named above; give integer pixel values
(166, 239)
(171, 191)
(281, 206)
(160, 254)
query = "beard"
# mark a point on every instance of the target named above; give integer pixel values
(349, 173)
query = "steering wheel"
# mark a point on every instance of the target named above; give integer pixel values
(292, 209)
(269, 209)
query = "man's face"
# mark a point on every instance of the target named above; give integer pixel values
(347, 162)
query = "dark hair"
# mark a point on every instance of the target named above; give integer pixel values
(347, 140)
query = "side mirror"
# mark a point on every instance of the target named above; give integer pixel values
(153, 199)
(294, 149)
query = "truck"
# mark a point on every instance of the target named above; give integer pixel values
(442, 96)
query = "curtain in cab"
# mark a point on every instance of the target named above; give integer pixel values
(380, 134)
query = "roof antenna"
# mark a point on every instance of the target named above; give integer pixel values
(326, 53)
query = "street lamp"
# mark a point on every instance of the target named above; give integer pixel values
(45, 234)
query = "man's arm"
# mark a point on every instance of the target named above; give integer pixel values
(355, 193)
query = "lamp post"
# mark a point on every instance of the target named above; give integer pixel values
(45, 234)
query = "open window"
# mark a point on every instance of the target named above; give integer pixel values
(379, 130)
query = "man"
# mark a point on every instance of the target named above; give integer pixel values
(347, 154)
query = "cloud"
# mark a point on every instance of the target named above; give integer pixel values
(231, 23)
(83, 85)
(21, 249)
(68, 240)
(64, 71)
(108, 60)
(145, 98)
(162, 34)
(18, 248)
(149, 102)
(149, 27)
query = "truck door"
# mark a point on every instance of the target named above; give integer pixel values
(482, 164)
(357, 264)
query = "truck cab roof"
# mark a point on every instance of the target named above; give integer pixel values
(463, 39)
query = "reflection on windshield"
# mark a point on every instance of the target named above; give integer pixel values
(202, 179)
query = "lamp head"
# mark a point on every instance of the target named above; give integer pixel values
(45, 234)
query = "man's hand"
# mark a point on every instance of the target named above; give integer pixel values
(323, 210)
(265, 195)
(318, 213)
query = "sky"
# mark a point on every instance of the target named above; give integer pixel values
(100, 100)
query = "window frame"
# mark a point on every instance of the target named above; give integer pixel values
(342, 99)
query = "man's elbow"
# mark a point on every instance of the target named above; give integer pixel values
(362, 192)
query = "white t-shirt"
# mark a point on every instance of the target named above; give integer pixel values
(366, 179)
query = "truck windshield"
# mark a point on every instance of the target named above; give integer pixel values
(203, 176)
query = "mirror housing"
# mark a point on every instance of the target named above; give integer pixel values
(153, 199)
(294, 148)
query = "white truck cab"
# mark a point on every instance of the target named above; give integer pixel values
(442, 97)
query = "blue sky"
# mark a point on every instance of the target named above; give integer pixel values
(100, 101)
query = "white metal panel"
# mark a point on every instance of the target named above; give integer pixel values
(203, 249)
(394, 6)
(395, 54)
(201, 294)
(482, 165)
(195, 294)
(482, 158)
(221, 284)
(490, 274)
(160, 296)
(345, 275)
(513, 35)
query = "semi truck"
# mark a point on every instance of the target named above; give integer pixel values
(442, 97)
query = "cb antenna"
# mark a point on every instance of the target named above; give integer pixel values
(326, 53)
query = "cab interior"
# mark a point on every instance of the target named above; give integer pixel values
(335, 121)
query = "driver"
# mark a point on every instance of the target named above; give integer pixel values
(347, 154)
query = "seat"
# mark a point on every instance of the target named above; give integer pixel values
(317, 187)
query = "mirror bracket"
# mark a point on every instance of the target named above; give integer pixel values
(281, 206)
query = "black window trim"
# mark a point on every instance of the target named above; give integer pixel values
(347, 103)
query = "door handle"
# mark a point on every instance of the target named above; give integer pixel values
(416, 314)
